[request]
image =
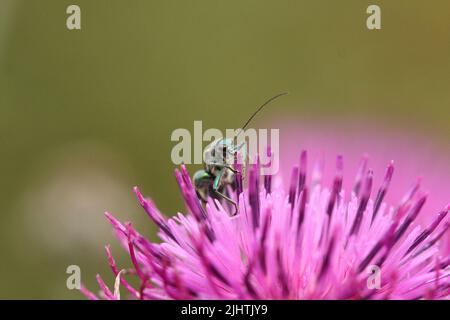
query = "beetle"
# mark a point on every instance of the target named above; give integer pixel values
(218, 172)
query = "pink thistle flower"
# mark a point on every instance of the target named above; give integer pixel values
(417, 155)
(308, 242)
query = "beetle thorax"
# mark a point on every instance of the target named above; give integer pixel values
(219, 153)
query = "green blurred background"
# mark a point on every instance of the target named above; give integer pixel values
(87, 114)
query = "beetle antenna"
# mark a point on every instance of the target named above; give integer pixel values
(260, 108)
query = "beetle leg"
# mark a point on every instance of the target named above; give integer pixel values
(220, 194)
(217, 179)
(232, 169)
(227, 167)
(236, 210)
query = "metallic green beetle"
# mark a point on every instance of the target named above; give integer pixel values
(218, 172)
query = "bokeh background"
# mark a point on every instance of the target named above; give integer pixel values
(85, 115)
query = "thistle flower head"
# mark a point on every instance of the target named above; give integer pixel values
(310, 241)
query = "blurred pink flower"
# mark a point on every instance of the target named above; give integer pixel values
(307, 242)
(417, 156)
